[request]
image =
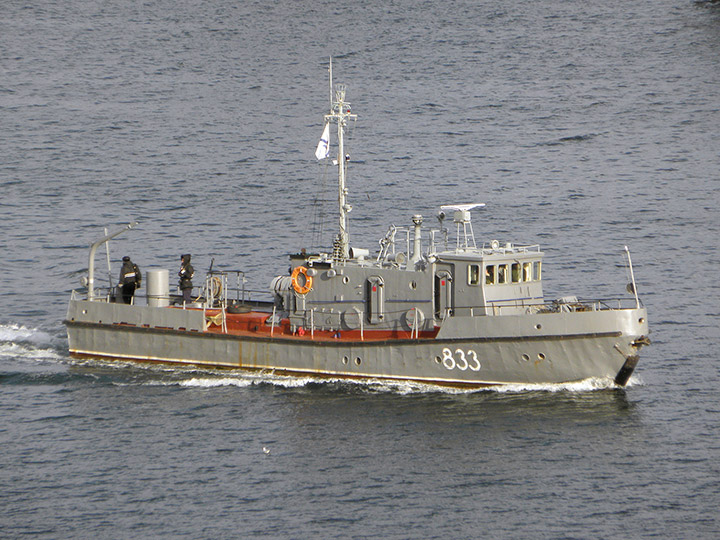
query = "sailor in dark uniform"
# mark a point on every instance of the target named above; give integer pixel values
(130, 279)
(186, 273)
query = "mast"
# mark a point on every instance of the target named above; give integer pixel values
(340, 114)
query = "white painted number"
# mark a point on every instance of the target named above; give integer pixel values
(462, 363)
(475, 367)
(447, 359)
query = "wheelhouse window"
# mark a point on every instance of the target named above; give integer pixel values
(474, 274)
(527, 272)
(490, 274)
(502, 274)
(515, 272)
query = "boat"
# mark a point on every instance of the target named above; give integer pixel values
(429, 306)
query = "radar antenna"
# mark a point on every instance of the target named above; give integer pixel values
(461, 217)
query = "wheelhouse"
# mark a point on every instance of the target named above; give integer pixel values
(496, 281)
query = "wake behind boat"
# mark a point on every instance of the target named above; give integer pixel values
(429, 306)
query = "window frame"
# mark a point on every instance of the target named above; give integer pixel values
(492, 276)
(503, 271)
(477, 281)
(516, 272)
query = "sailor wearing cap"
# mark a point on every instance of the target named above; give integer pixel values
(186, 273)
(130, 279)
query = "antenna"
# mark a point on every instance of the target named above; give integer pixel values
(632, 277)
(331, 87)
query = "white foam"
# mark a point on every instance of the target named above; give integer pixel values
(586, 385)
(246, 379)
(411, 387)
(212, 383)
(21, 342)
(241, 379)
(17, 333)
(16, 350)
(198, 377)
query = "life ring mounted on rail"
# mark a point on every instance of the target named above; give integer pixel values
(301, 281)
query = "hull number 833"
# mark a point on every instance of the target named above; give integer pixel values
(460, 359)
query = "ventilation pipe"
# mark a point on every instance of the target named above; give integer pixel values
(417, 255)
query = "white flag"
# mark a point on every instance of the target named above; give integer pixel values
(323, 148)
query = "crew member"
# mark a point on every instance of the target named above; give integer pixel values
(186, 273)
(130, 279)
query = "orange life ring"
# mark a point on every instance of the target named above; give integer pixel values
(306, 281)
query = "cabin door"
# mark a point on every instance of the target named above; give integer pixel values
(443, 294)
(375, 299)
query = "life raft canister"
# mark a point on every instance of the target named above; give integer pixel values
(301, 282)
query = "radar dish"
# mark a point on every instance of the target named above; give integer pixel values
(461, 207)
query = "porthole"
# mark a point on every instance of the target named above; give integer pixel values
(346, 280)
(345, 360)
(641, 320)
(526, 357)
(438, 359)
(538, 326)
(413, 285)
(541, 356)
(358, 361)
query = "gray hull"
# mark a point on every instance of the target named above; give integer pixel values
(540, 348)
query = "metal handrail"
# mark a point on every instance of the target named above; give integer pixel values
(103, 294)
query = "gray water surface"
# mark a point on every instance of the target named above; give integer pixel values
(584, 126)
